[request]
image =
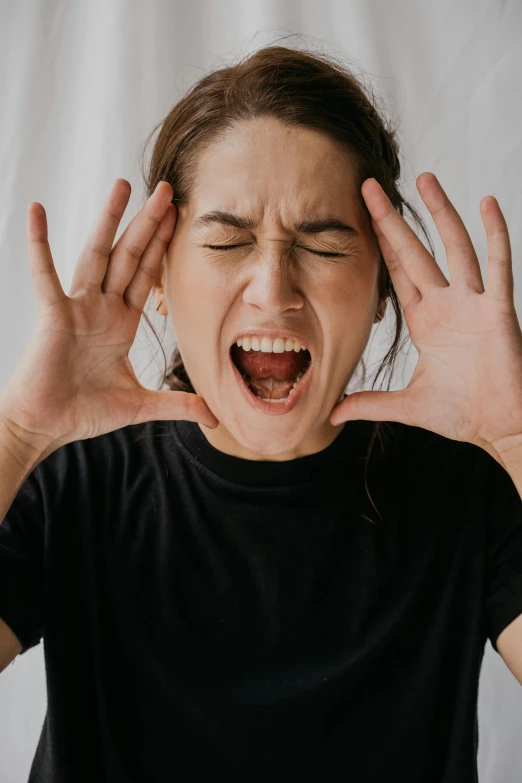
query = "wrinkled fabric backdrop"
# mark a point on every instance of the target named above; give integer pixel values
(82, 84)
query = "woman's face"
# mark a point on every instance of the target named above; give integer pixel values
(275, 177)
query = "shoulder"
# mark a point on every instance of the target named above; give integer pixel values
(428, 465)
(95, 460)
(417, 445)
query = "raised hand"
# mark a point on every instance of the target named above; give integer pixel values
(467, 384)
(75, 380)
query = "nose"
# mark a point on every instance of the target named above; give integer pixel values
(273, 284)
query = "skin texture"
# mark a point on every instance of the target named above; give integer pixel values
(276, 175)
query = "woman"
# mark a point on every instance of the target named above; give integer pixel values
(217, 589)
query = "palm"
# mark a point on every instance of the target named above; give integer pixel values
(76, 369)
(75, 379)
(467, 384)
(459, 364)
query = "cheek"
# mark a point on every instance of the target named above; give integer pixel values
(199, 301)
(348, 288)
(191, 285)
(346, 308)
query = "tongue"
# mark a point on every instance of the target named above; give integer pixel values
(261, 364)
(269, 374)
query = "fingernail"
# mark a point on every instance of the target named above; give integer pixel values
(167, 194)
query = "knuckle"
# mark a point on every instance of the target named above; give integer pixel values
(113, 213)
(98, 248)
(47, 269)
(85, 289)
(133, 249)
(148, 272)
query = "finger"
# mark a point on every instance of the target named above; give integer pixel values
(46, 283)
(499, 274)
(372, 406)
(463, 263)
(175, 406)
(407, 292)
(129, 248)
(91, 266)
(417, 262)
(144, 278)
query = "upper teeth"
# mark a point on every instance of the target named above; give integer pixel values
(279, 345)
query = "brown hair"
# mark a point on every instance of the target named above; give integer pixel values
(299, 88)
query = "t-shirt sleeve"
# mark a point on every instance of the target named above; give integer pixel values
(503, 551)
(21, 563)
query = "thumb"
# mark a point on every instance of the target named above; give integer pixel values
(372, 406)
(175, 406)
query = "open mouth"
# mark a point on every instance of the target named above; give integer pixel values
(271, 377)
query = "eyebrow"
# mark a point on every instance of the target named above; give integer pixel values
(302, 227)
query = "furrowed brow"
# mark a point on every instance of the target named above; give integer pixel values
(224, 219)
(302, 227)
(326, 224)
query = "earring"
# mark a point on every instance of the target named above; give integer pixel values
(158, 305)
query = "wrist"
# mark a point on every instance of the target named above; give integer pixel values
(27, 448)
(509, 450)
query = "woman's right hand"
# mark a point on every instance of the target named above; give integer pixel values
(75, 379)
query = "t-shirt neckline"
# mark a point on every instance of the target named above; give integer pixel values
(310, 468)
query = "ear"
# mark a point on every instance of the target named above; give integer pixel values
(157, 288)
(381, 309)
(160, 275)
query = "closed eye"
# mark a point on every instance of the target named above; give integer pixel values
(315, 252)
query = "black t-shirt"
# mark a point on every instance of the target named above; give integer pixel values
(205, 615)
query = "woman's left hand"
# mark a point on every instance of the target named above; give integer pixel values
(467, 384)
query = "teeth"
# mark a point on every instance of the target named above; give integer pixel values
(266, 345)
(297, 379)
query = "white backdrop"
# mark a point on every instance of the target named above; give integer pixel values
(81, 85)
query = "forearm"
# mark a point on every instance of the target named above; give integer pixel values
(19, 455)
